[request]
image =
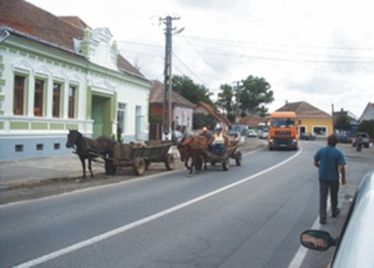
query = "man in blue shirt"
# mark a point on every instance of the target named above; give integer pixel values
(331, 164)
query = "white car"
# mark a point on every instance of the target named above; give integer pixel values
(356, 242)
(237, 136)
(252, 133)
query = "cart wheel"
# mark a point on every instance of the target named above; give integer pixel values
(238, 158)
(139, 166)
(147, 164)
(170, 162)
(225, 164)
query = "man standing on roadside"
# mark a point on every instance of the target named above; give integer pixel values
(331, 164)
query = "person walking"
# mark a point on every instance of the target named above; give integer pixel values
(331, 166)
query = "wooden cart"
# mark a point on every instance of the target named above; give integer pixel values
(140, 156)
(231, 151)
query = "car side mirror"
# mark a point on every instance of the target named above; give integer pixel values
(317, 240)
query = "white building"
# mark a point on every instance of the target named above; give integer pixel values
(368, 113)
(57, 74)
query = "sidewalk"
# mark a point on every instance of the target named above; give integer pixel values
(37, 169)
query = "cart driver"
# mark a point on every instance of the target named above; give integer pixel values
(219, 141)
(203, 131)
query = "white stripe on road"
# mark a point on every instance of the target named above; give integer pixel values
(145, 220)
(302, 251)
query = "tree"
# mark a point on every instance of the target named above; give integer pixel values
(367, 126)
(254, 93)
(225, 101)
(195, 93)
(343, 122)
(201, 120)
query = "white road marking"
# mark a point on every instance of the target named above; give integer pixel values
(302, 251)
(145, 220)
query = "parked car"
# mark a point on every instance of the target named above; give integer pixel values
(356, 242)
(307, 136)
(344, 137)
(252, 133)
(237, 136)
(365, 139)
(264, 133)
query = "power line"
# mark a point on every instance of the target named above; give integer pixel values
(333, 58)
(223, 41)
(201, 56)
(188, 68)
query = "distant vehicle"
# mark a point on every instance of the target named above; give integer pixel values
(262, 131)
(243, 129)
(343, 137)
(307, 136)
(365, 139)
(252, 133)
(283, 131)
(356, 242)
(237, 136)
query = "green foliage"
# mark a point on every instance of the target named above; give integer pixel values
(250, 97)
(253, 94)
(225, 101)
(343, 122)
(367, 126)
(195, 93)
(202, 120)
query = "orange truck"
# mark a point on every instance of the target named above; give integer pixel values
(283, 131)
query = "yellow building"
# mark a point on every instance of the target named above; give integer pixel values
(311, 119)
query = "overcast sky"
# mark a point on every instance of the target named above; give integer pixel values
(317, 51)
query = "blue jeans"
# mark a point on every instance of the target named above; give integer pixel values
(219, 149)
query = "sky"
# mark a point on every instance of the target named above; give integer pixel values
(319, 51)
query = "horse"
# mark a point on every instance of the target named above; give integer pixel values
(87, 148)
(194, 148)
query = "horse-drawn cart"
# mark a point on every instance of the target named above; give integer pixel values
(231, 151)
(140, 156)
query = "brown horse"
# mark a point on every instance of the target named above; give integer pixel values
(194, 148)
(87, 148)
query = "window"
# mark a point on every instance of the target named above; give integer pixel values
(56, 146)
(39, 147)
(18, 148)
(121, 116)
(72, 101)
(138, 121)
(19, 95)
(56, 104)
(320, 131)
(38, 97)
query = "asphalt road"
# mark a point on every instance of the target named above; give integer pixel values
(250, 216)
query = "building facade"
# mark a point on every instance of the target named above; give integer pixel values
(368, 113)
(182, 111)
(68, 76)
(311, 119)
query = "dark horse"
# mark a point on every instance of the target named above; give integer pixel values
(194, 148)
(87, 148)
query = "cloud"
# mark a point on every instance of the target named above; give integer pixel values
(321, 84)
(213, 5)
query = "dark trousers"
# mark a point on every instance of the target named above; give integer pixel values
(324, 187)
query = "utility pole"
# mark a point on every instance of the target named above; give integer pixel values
(167, 120)
(237, 97)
